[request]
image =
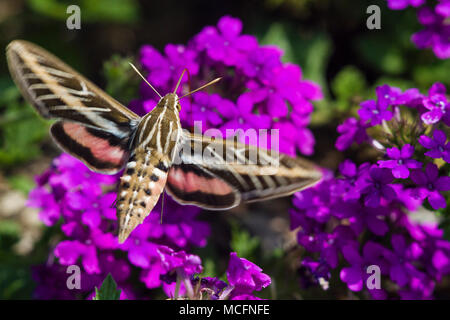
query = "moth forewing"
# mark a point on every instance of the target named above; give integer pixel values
(39, 73)
(95, 128)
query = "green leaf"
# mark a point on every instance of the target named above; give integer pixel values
(277, 35)
(22, 183)
(348, 83)
(108, 290)
(311, 50)
(21, 129)
(394, 82)
(122, 80)
(427, 74)
(242, 242)
(124, 11)
(209, 268)
(9, 228)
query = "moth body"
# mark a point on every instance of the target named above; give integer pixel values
(145, 174)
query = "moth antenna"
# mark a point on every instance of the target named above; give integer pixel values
(179, 81)
(198, 89)
(143, 78)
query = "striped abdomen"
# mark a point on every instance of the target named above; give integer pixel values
(140, 187)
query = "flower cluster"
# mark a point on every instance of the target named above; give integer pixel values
(83, 202)
(436, 34)
(256, 91)
(363, 214)
(414, 147)
(244, 277)
(70, 193)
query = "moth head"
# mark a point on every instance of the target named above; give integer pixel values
(170, 101)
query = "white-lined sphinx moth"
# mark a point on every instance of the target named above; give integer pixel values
(108, 137)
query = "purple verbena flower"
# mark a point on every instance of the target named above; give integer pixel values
(375, 185)
(430, 185)
(245, 276)
(374, 219)
(347, 187)
(436, 103)
(226, 42)
(401, 260)
(403, 4)
(419, 256)
(356, 275)
(438, 147)
(401, 161)
(375, 112)
(443, 8)
(351, 131)
(436, 33)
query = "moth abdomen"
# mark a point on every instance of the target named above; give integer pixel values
(139, 191)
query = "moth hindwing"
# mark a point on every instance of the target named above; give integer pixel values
(107, 136)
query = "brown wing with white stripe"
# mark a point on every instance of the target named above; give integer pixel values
(57, 91)
(219, 174)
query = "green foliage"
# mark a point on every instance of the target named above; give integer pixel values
(9, 228)
(108, 290)
(381, 54)
(122, 80)
(277, 35)
(21, 182)
(123, 11)
(309, 50)
(21, 129)
(15, 282)
(392, 81)
(15, 276)
(242, 242)
(209, 268)
(427, 74)
(346, 85)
